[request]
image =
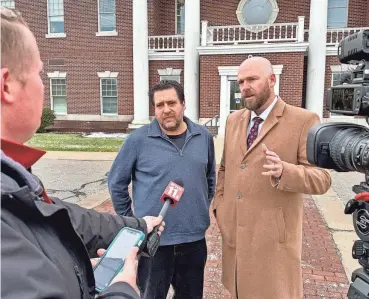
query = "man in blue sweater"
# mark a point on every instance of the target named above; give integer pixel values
(170, 147)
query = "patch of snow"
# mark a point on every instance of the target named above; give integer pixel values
(105, 135)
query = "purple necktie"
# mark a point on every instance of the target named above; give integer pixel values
(254, 131)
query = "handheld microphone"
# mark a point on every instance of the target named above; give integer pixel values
(171, 196)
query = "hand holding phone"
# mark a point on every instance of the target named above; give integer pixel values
(129, 272)
(120, 254)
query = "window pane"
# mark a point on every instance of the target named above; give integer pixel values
(107, 22)
(60, 104)
(110, 105)
(56, 24)
(337, 17)
(109, 87)
(58, 87)
(171, 78)
(180, 18)
(56, 8)
(107, 6)
(257, 12)
(7, 4)
(332, 3)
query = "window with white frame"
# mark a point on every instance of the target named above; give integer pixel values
(340, 78)
(170, 74)
(107, 16)
(337, 13)
(58, 92)
(56, 16)
(180, 17)
(108, 93)
(7, 3)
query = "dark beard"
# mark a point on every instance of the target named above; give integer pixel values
(260, 99)
(175, 127)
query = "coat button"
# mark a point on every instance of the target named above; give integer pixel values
(239, 196)
(243, 166)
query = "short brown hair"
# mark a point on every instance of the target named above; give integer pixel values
(164, 85)
(13, 44)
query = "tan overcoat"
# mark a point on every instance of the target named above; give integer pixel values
(260, 221)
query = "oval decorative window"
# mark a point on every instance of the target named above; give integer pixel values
(255, 12)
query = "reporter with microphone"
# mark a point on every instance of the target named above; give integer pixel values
(170, 147)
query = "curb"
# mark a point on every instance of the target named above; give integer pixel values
(340, 227)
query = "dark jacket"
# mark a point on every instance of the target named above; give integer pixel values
(150, 159)
(46, 248)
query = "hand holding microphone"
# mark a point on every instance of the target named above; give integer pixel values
(171, 196)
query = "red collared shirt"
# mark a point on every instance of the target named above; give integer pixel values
(24, 155)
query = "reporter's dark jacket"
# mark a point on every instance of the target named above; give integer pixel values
(46, 248)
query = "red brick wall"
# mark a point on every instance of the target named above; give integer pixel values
(358, 14)
(291, 79)
(89, 126)
(162, 17)
(224, 12)
(85, 54)
(154, 77)
(330, 60)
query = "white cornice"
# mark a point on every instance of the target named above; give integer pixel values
(169, 72)
(166, 55)
(57, 74)
(331, 50)
(107, 74)
(254, 48)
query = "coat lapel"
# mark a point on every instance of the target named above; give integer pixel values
(269, 123)
(244, 123)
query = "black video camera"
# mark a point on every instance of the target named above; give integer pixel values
(344, 147)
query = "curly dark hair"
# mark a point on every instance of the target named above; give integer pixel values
(164, 85)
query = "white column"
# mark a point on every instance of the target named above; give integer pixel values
(191, 58)
(316, 56)
(224, 104)
(140, 64)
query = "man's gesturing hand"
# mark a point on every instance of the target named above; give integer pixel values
(274, 166)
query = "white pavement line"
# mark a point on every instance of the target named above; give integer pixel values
(332, 210)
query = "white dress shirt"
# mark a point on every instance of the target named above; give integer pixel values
(263, 115)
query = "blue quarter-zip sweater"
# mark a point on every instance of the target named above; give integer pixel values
(150, 160)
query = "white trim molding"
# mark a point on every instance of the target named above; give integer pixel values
(254, 48)
(57, 74)
(107, 74)
(107, 33)
(166, 55)
(169, 72)
(331, 50)
(55, 35)
(93, 117)
(272, 17)
(341, 68)
(227, 74)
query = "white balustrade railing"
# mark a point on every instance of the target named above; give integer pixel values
(334, 36)
(263, 33)
(166, 43)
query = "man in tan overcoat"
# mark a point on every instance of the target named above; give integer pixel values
(259, 197)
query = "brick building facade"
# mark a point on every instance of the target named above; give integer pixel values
(93, 82)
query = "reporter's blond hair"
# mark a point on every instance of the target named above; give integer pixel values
(14, 54)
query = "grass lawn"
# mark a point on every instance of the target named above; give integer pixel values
(74, 142)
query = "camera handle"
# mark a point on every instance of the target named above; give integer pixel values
(359, 207)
